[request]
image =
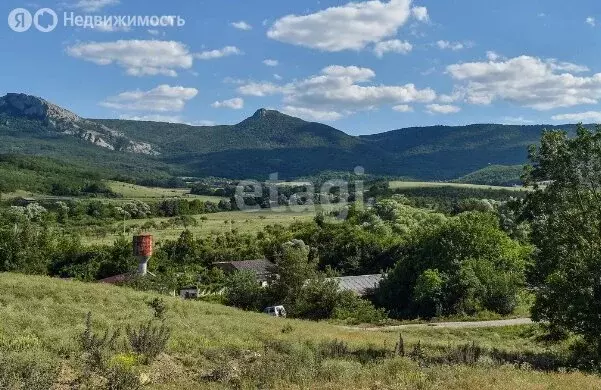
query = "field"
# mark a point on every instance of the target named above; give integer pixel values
(428, 184)
(242, 221)
(128, 192)
(135, 192)
(213, 346)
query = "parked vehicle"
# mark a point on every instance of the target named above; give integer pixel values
(275, 311)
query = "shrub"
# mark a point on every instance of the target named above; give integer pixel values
(97, 347)
(242, 290)
(148, 340)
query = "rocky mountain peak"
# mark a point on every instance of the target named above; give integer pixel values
(58, 119)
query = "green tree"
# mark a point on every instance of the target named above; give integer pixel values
(465, 264)
(565, 212)
(294, 269)
(242, 290)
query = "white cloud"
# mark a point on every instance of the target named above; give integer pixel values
(163, 98)
(453, 97)
(444, 45)
(138, 57)
(527, 81)
(566, 66)
(492, 56)
(339, 89)
(403, 108)
(270, 62)
(442, 109)
(260, 89)
(588, 116)
(420, 13)
(242, 25)
(154, 118)
(94, 5)
(277, 76)
(348, 27)
(235, 104)
(516, 120)
(218, 53)
(311, 114)
(394, 46)
(590, 21)
(106, 27)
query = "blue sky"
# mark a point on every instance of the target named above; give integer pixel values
(362, 67)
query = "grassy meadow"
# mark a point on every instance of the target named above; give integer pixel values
(217, 347)
(243, 221)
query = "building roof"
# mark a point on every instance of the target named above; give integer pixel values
(116, 279)
(261, 267)
(361, 285)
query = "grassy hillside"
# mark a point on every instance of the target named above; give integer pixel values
(215, 347)
(497, 175)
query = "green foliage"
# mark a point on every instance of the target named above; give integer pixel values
(565, 217)
(464, 265)
(97, 348)
(148, 340)
(495, 175)
(242, 290)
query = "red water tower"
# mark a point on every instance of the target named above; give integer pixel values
(142, 251)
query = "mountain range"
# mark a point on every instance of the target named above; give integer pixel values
(264, 143)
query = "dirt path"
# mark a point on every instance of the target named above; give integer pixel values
(471, 324)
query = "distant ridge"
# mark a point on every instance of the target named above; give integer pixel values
(266, 142)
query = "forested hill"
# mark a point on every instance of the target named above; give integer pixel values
(266, 142)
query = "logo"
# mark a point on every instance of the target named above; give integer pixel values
(45, 20)
(20, 20)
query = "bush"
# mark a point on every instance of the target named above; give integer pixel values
(148, 340)
(97, 347)
(242, 290)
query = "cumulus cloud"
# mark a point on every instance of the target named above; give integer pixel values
(235, 104)
(154, 118)
(446, 45)
(163, 98)
(403, 108)
(242, 25)
(94, 5)
(590, 21)
(138, 57)
(588, 116)
(527, 81)
(348, 27)
(312, 114)
(442, 109)
(420, 13)
(218, 53)
(394, 46)
(492, 56)
(270, 62)
(104, 26)
(341, 90)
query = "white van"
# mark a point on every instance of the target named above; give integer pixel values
(275, 311)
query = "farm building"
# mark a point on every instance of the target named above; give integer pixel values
(261, 268)
(361, 285)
